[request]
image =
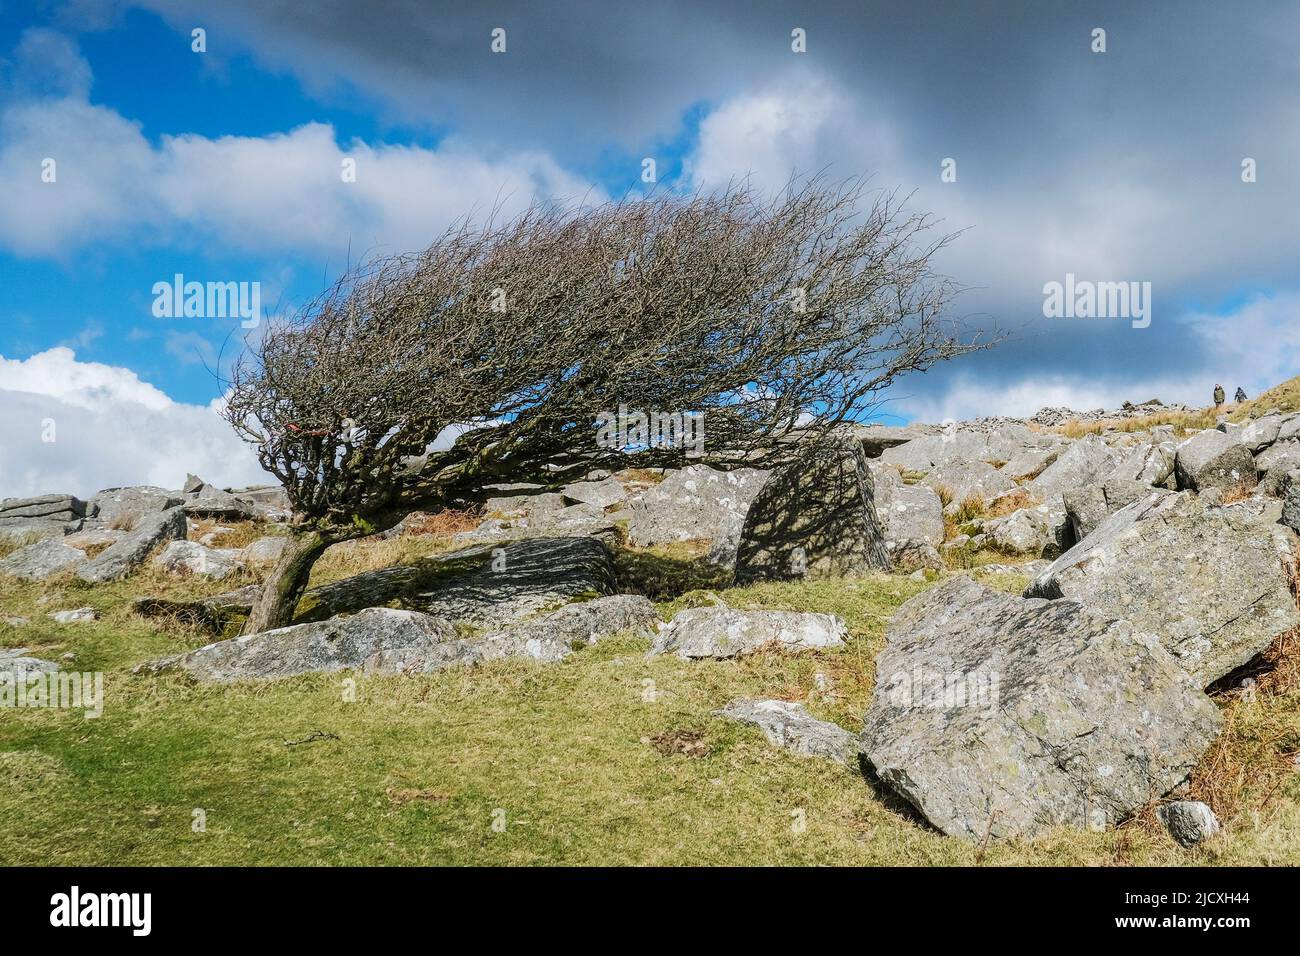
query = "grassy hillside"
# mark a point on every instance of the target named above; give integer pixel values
(579, 759)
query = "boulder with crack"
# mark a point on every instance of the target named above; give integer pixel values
(1084, 462)
(1211, 582)
(998, 716)
(723, 632)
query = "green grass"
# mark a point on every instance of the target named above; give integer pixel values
(576, 755)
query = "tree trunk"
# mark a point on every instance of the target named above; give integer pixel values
(283, 587)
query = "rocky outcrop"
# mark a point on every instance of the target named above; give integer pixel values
(722, 632)
(911, 521)
(998, 716)
(1211, 459)
(1089, 506)
(815, 517)
(789, 725)
(126, 508)
(40, 517)
(696, 503)
(120, 559)
(1211, 582)
(599, 494)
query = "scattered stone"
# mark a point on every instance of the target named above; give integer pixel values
(789, 725)
(42, 560)
(723, 632)
(1210, 582)
(78, 616)
(998, 716)
(14, 660)
(1189, 822)
(1211, 459)
(120, 559)
(814, 518)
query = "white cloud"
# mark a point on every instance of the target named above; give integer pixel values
(110, 429)
(261, 194)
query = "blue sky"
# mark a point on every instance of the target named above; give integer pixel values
(223, 166)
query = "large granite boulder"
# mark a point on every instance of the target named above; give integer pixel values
(1029, 530)
(966, 442)
(695, 503)
(815, 517)
(1256, 435)
(1086, 461)
(209, 501)
(42, 559)
(1145, 463)
(1212, 583)
(789, 725)
(1211, 459)
(120, 559)
(998, 716)
(723, 632)
(374, 641)
(128, 507)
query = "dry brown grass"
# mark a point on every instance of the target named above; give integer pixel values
(1241, 490)
(1011, 502)
(442, 524)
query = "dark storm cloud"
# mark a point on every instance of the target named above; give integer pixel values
(1116, 166)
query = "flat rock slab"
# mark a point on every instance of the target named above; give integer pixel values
(1211, 582)
(789, 725)
(373, 641)
(998, 716)
(42, 560)
(723, 632)
(128, 506)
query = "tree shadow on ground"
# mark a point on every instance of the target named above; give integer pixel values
(663, 577)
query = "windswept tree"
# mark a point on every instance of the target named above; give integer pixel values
(775, 319)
